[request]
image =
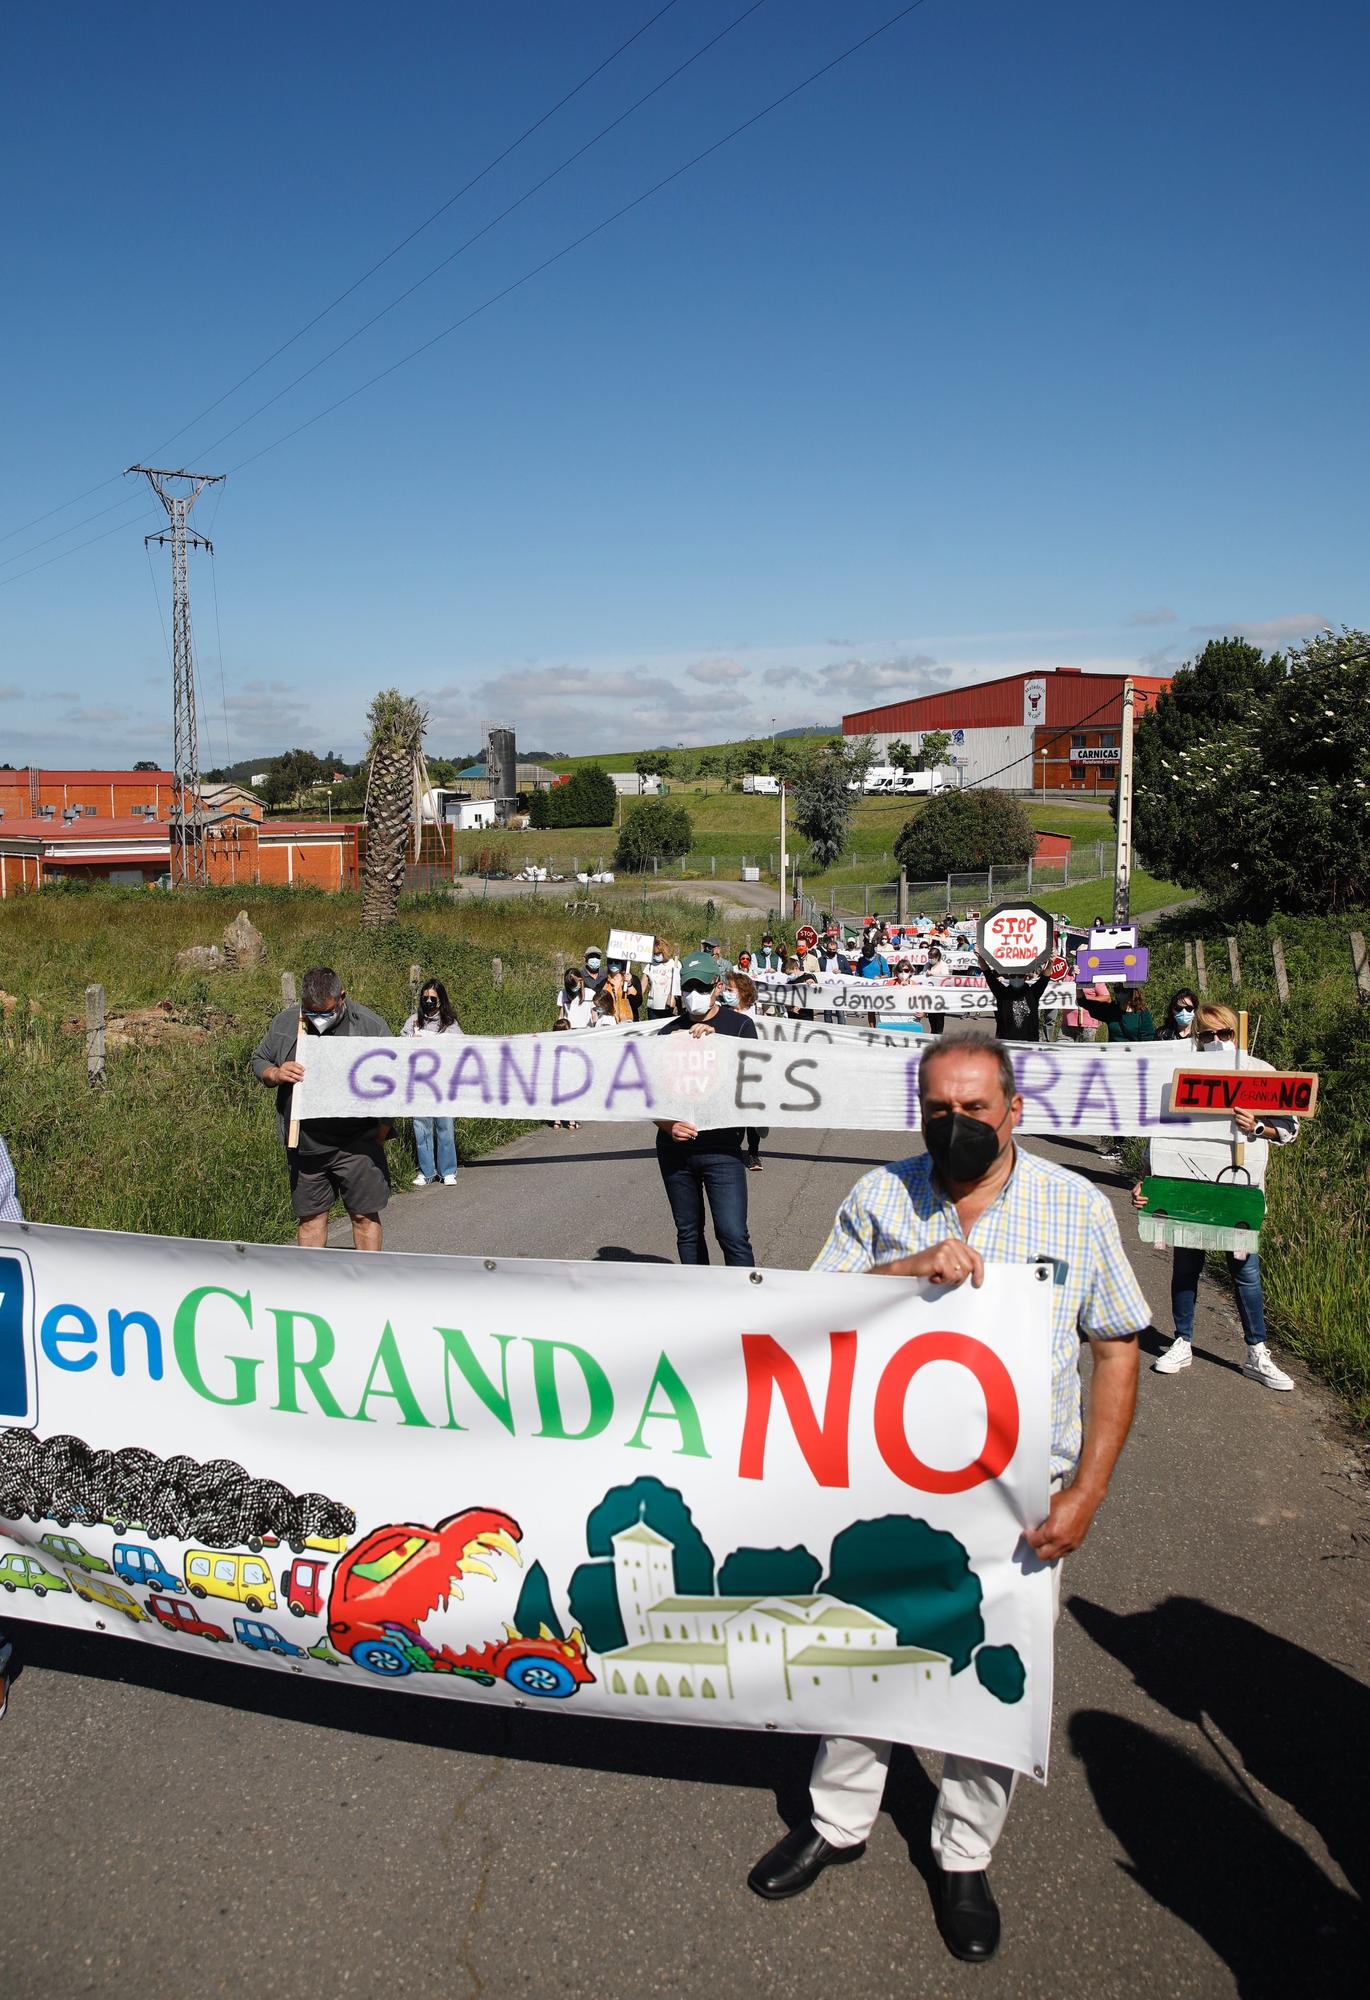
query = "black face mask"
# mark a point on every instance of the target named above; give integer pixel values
(430, 1003)
(963, 1149)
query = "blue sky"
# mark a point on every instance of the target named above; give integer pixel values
(1033, 335)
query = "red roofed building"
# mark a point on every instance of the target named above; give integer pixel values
(1059, 729)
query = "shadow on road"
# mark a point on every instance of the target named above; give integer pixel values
(614, 1253)
(562, 1159)
(561, 1739)
(1205, 1846)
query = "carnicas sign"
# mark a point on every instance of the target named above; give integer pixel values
(1016, 938)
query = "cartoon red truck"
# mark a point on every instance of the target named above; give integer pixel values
(398, 1575)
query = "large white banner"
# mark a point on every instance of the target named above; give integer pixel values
(719, 1080)
(762, 1499)
(833, 994)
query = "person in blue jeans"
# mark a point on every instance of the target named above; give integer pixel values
(435, 1016)
(705, 1166)
(10, 1211)
(1205, 1155)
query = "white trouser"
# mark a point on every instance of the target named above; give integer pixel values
(848, 1783)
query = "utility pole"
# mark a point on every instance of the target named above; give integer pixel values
(1122, 872)
(189, 863)
(782, 850)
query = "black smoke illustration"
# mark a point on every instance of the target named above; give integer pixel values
(62, 1479)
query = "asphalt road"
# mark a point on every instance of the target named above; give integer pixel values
(177, 1826)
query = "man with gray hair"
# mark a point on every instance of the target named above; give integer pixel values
(330, 1159)
(972, 1197)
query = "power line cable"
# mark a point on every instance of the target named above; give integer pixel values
(118, 529)
(485, 229)
(597, 229)
(332, 306)
(126, 500)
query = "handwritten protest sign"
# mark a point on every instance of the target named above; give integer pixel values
(633, 947)
(1016, 938)
(1266, 1092)
(795, 1503)
(717, 1081)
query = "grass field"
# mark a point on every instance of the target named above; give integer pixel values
(181, 1141)
(732, 829)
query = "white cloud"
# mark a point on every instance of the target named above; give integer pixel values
(1269, 632)
(717, 673)
(13, 693)
(909, 672)
(783, 677)
(1163, 615)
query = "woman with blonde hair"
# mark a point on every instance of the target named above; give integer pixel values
(1202, 1156)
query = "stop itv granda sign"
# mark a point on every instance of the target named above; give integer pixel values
(1016, 938)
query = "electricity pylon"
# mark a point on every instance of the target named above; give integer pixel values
(189, 863)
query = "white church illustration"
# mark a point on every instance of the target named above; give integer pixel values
(754, 1650)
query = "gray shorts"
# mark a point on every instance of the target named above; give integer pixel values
(357, 1176)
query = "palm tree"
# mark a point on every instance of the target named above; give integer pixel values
(397, 780)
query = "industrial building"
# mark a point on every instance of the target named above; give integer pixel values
(134, 852)
(1054, 731)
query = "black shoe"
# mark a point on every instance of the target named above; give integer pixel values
(967, 1915)
(797, 1861)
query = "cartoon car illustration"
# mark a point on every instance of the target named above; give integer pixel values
(330, 1545)
(260, 1637)
(135, 1564)
(177, 1616)
(94, 1590)
(396, 1576)
(303, 1586)
(241, 1579)
(67, 1549)
(323, 1655)
(27, 1573)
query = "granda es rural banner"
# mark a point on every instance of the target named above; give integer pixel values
(770, 1500)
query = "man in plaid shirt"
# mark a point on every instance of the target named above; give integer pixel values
(971, 1198)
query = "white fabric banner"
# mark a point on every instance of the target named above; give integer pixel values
(717, 1080)
(963, 994)
(774, 1499)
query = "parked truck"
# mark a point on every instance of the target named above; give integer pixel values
(761, 787)
(892, 778)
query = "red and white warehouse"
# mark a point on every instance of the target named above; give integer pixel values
(1058, 730)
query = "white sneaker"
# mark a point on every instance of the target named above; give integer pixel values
(419, 1180)
(1261, 1368)
(1178, 1355)
(449, 1180)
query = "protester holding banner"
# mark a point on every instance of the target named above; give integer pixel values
(329, 1159)
(1017, 1003)
(662, 981)
(696, 1165)
(971, 1198)
(435, 1016)
(1202, 1158)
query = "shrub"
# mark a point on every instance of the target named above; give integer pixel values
(965, 830)
(656, 829)
(588, 800)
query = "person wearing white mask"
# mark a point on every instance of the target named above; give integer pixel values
(662, 981)
(698, 1166)
(329, 1159)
